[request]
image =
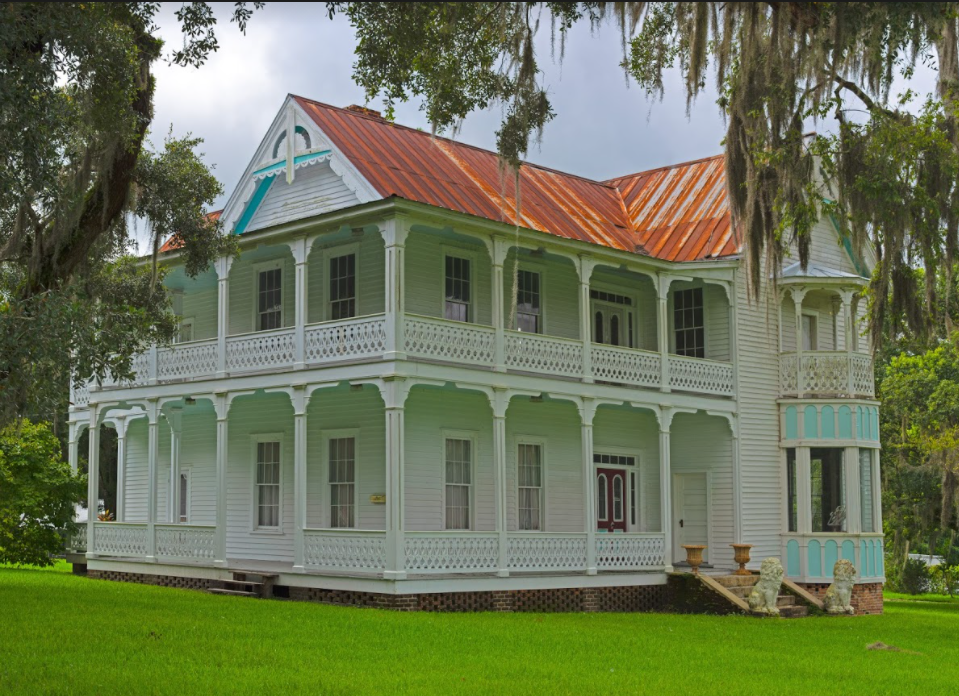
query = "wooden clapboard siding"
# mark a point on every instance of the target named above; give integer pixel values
(559, 293)
(200, 305)
(316, 189)
(198, 456)
(135, 476)
(425, 273)
(243, 288)
(369, 275)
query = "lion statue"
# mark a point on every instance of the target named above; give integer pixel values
(765, 593)
(839, 593)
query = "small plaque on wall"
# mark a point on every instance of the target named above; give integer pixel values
(378, 498)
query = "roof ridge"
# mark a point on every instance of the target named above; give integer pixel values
(664, 167)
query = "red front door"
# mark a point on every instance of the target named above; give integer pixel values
(610, 500)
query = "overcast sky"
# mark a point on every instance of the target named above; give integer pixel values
(604, 126)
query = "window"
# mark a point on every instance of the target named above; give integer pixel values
(618, 499)
(269, 302)
(268, 484)
(688, 323)
(343, 286)
(866, 491)
(184, 331)
(792, 505)
(826, 486)
(183, 514)
(530, 464)
(632, 498)
(528, 304)
(342, 466)
(616, 459)
(457, 289)
(459, 455)
(810, 334)
(601, 508)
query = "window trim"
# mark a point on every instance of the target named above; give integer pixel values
(257, 269)
(255, 439)
(814, 314)
(532, 267)
(181, 322)
(185, 472)
(460, 253)
(638, 469)
(541, 442)
(671, 311)
(326, 501)
(630, 312)
(326, 254)
(473, 437)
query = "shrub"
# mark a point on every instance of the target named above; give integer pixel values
(912, 577)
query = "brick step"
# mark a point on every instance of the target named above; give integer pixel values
(733, 581)
(795, 612)
(233, 593)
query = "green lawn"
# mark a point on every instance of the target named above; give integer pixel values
(65, 634)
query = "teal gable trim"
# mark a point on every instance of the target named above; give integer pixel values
(299, 159)
(258, 195)
(792, 423)
(828, 423)
(832, 555)
(845, 423)
(792, 558)
(810, 422)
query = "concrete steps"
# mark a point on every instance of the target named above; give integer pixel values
(742, 586)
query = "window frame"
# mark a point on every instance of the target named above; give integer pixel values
(637, 470)
(814, 316)
(531, 267)
(258, 268)
(540, 442)
(791, 489)
(184, 473)
(326, 499)
(467, 254)
(473, 437)
(630, 313)
(327, 254)
(672, 320)
(256, 439)
(181, 322)
(843, 492)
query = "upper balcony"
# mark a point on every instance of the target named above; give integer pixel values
(325, 300)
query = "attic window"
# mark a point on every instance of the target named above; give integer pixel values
(302, 141)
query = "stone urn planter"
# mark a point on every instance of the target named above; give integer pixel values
(741, 556)
(694, 556)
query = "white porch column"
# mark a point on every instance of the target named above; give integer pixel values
(803, 491)
(662, 329)
(846, 296)
(587, 412)
(93, 478)
(152, 366)
(73, 445)
(500, 251)
(500, 403)
(222, 312)
(798, 296)
(174, 418)
(394, 232)
(585, 270)
(876, 492)
(121, 424)
(395, 391)
(851, 482)
(301, 250)
(221, 403)
(666, 486)
(153, 453)
(300, 402)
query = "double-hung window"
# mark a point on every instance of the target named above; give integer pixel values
(343, 286)
(183, 502)
(457, 289)
(688, 323)
(269, 314)
(530, 468)
(529, 308)
(827, 489)
(342, 453)
(459, 480)
(268, 485)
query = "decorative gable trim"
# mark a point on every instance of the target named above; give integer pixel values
(299, 162)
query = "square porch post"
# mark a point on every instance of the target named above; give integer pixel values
(301, 250)
(394, 232)
(300, 402)
(585, 270)
(500, 250)
(153, 452)
(222, 267)
(500, 403)
(587, 413)
(93, 478)
(395, 391)
(221, 403)
(798, 296)
(662, 330)
(666, 487)
(121, 422)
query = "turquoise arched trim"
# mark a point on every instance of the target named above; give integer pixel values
(880, 560)
(828, 423)
(859, 413)
(792, 558)
(849, 551)
(864, 559)
(845, 423)
(792, 423)
(810, 422)
(814, 559)
(875, 422)
(258, 195)
(832, 555)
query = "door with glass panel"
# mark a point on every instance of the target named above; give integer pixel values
(611, 500)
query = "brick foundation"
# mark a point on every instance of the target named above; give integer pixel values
(159, 580)
(866, 598)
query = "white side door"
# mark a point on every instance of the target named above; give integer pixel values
(690, 513)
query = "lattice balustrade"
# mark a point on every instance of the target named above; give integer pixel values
(355, 338)
(825, 373)
(546, 354)
(263, 350)
(186, 542)
(80, 396)
(187, 360)
(353, 551)
(119, 539)
(79, 540)
(698, 375)
(447, 340)
(863, 376)
(630, 551)
(788, 373)
(451, 552)
(540, 552)
(626, 366)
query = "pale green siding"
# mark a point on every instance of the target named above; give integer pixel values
(243, 288)
(370, 275)
(716, 315)
(559, 293)
(425, 272)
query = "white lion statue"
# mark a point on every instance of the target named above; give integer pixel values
(839, 593)
(766, 592)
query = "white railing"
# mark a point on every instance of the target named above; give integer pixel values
(140, 366)
(78, 542)
(260, 350)
(541, 551)
(187, 360)
(626, 365)
(119, 539)
(630, 551)
(187, 542)
(549, 355)
(351, 550)
(80, 396)
(356, 338)
(699, 375)
(826, 373)
(453, 341)
(451, 552)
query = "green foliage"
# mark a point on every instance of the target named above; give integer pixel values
(37, 494)
(944, 579)
(911, 577)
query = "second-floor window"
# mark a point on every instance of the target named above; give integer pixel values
(688, 323)
(269, 313)
(343, 286)
(528, 302)
(457, 289)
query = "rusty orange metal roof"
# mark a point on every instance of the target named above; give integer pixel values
(173, 242)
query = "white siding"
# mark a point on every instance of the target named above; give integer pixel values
(370, 275)
(243, 289)
(559, 294)
(315, 190)
(198, 456)
(425, 272)
(135, 476)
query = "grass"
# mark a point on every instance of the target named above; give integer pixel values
(61, 633)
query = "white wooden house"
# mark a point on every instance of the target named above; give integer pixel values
(398, 387)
